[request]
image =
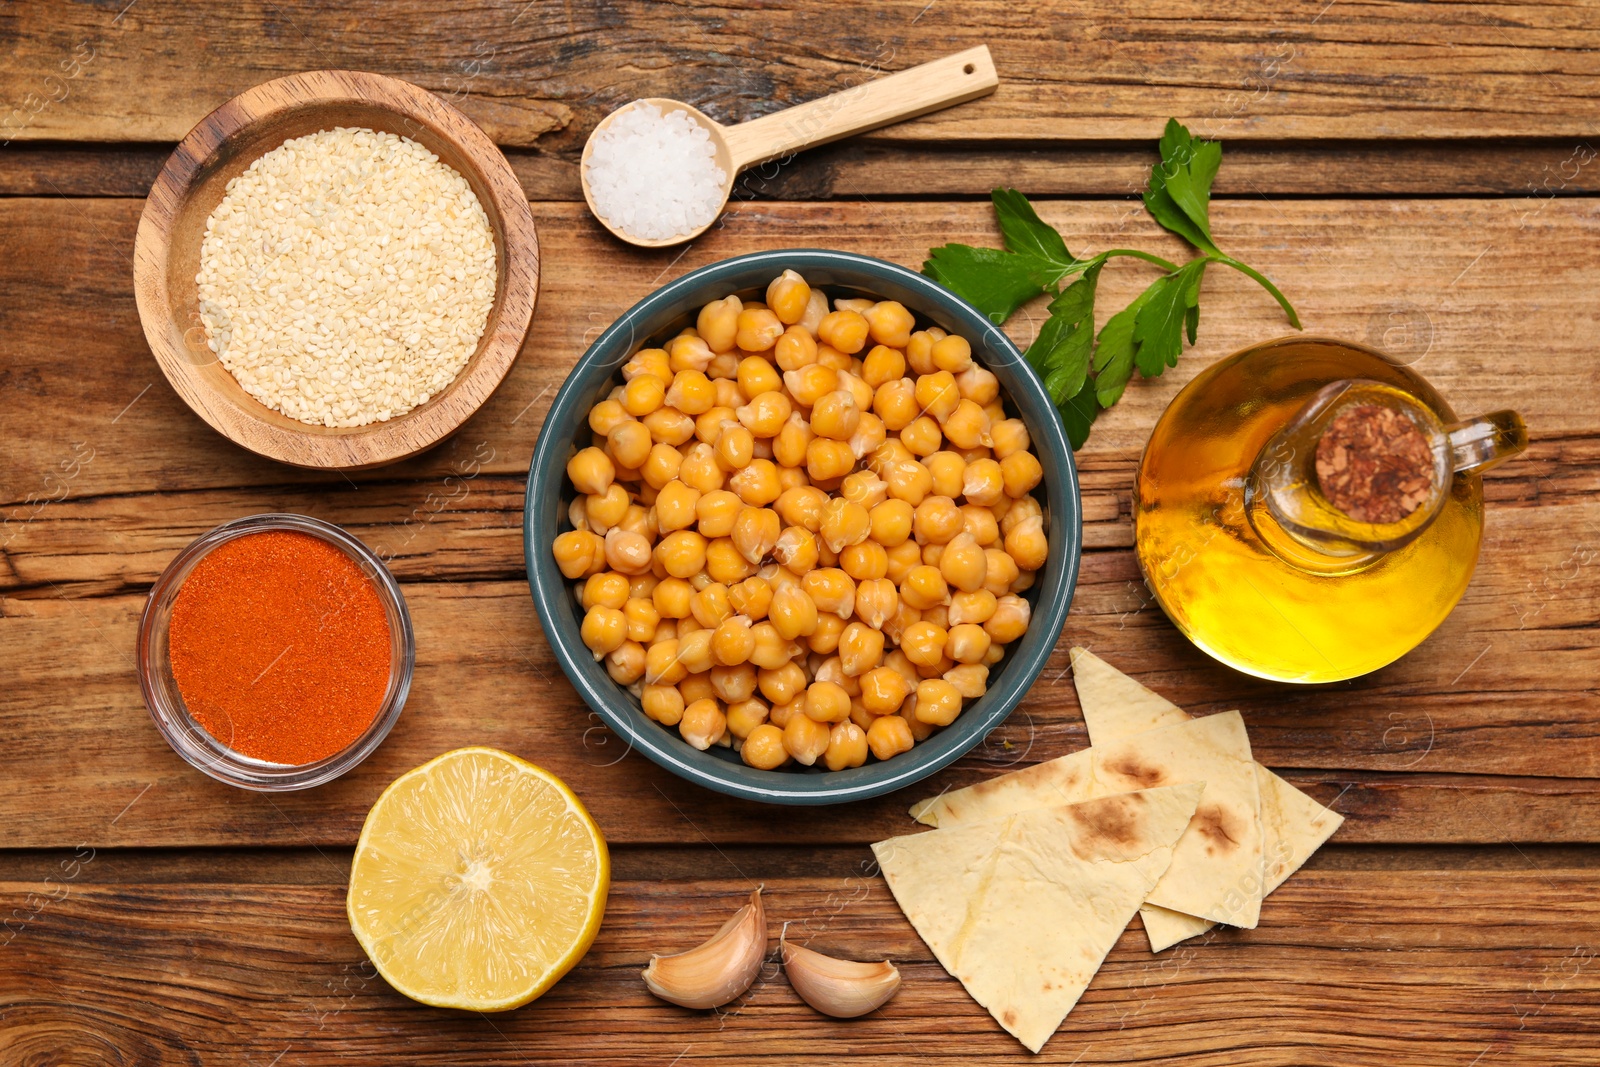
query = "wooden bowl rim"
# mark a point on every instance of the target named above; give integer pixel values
(255, 427)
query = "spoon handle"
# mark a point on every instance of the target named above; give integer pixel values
(906, 94)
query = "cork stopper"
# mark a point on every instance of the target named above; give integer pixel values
(1374, 464)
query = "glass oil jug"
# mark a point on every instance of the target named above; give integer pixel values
(1309, 510)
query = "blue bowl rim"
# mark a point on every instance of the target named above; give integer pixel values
(1057, 581)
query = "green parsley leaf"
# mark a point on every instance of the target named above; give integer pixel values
(1085, 373)
(1113, 358)
(1178, 157)
(1159, 324)
(1079, 412)
(993, 281)
(1028, 235)
(1061, 351)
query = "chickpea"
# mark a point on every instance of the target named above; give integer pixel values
(810, 383)
(1010, 619)
(605, 416)
(903, 559)
(1020, 472)
(827, 459)
(971, 680)
(888, 736)
(977, 606)
(702, 723)
(642, 619)
(782, 684)
(795, 349)
(860, 648)
(937, 395)
(982, 388)
(844, 523)
(967, 426)
(772, 650)
(979, 523)
(937, 520)
(835, 415)
(743, 716)
(827, 702)
(732, 642)
(882, 364)
(718, 323)
(962, 563)
(648, 361)
(844, 330)
(725, 563)
(796, 549)
(802, 506)
(967, 643)
(699, 469)
(756, 377)
(923, 643)
(758, 329)
(831, 590)
(908, 480)
(948, 470)
(734, 447)
(864, 561)
(921, 436)
(1026, 544)
(1022, 508)
(733, 684)
(715, 512)
(919, 352)
(672, 597)
(663, 663)
(825, 638)
(766, 414)
(864, 488)
(591, 471)
(847, 747)
(789, 447)
(627, 551)
(757, 484)
(682, 553)
(952, 354)
(805, 738)
(764, 748)
(793, 612)
(575, 552)
(938, 702)
(729, 395)
(883, 690)
(662, 703)
(780, 714)
(889, 323)
(788, 296)
(1000, 571)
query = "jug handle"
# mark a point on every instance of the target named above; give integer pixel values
(1487, 441)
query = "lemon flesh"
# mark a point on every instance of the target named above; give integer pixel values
(479, 880)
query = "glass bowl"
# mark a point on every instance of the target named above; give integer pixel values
(190, 740)
(662, 314)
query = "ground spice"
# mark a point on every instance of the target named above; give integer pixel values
(280, 647)
(1374, 465)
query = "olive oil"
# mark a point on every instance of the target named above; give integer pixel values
(1240, 585)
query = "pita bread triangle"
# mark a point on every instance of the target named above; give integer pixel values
(1024, 908)
(1216, 867)
(1293, 825)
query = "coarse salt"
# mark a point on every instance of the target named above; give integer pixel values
(654, 175)
(346, 277)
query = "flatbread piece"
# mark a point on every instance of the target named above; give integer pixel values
(1216, 868)
(1023, 909)
(1293, 825)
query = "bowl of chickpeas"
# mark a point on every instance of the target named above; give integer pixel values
(802, 527)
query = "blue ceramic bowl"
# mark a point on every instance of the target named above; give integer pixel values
(659, 316)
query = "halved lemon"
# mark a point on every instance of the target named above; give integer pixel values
(479, 880)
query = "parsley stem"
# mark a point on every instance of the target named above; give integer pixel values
(1164, 264)
(1251, 272)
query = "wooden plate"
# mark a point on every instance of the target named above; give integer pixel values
(191, 185)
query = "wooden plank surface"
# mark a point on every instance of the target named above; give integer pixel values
(543, 74)
(1351, 964)
(1421, 177)
(1498, 699)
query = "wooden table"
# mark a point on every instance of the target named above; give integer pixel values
(1419, 176)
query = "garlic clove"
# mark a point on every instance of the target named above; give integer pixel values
(843, 989)
(718, 970)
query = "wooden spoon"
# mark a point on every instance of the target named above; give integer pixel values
(954, 79)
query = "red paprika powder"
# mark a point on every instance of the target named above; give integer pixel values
(280, 647)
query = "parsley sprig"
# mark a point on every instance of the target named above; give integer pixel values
(1083, 372)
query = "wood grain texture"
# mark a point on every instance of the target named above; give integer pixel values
(1414, 968)
(1484, 734)
(226, 143)
(544, 73)
(1404, 760)
(869, 166)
